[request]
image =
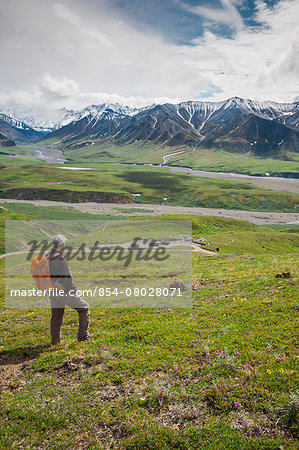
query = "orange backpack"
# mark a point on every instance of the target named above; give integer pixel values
(40, 271)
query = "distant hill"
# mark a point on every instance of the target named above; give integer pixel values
(9, 147)
(4, 142)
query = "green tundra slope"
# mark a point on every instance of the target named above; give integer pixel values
(219, 375)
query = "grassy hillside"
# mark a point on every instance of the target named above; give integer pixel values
(220, 160)
(117, 184)
(8, 147)
(199, 158)
(6, 213)
(219, 375)
(50, 212)
(139, 152)
(21, 156)
(237, 237)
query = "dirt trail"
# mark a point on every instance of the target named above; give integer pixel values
(256, 217)
(166, 158)
(198, 249)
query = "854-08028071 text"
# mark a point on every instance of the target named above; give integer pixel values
(101, 292)
(140, 292)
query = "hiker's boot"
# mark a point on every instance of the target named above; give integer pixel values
(85, 338)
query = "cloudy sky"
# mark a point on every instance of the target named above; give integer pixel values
(76, 52)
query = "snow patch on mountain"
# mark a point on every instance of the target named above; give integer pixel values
(48, 121)
(14, 122)
(196, 113)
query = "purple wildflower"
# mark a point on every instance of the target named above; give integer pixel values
(237, 352)
(103, 346)
(236, 403)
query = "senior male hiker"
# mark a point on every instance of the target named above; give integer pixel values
(60, 273)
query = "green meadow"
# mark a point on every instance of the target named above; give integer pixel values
(14, 150)
(222, 374)
(223, 161)
(118, 184)
(197, 158)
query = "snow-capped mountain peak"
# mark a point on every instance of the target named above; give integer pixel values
(14, 122)
(268, 110)
(48, 121)
(196, 113)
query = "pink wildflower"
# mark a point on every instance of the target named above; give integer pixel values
(103, 346)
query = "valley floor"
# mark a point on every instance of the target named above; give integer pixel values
(274, 183)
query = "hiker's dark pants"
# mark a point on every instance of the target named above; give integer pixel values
(58, 305)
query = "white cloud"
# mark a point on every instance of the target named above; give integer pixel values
(53, 93)
(227, 15)
(58, 87)
(260, 63)
(65, 13)
(71, 55)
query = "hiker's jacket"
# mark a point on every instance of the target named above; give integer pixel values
(60, 270)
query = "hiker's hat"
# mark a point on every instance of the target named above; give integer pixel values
(60, 239)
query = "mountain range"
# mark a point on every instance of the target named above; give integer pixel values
(235, 125)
